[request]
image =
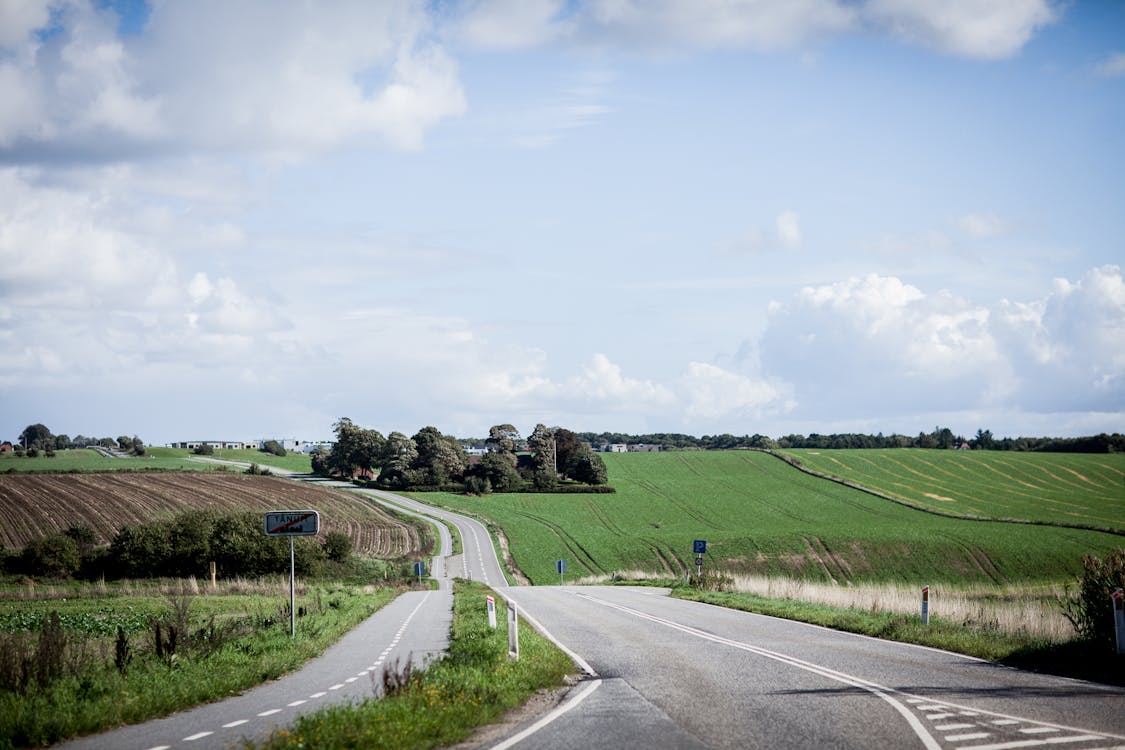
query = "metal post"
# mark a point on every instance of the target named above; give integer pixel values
(925, 605)
(1119, 618)
(292, 592)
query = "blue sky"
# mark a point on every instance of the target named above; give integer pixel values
(241, 220)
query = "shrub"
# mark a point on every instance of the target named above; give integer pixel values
(274, 447)
(1089, 608)
(337, 546)
(55, 556)
(204, 450)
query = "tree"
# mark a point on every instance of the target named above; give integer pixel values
(274, 447)
(502, 438)
(441, 458)
(35, 436)
(499, 468)
(337, 546)
(397, 464)
(124, 442)
(137, 446)
(55, 555)
(983, 440)
(356, 449)
(62, 442)
(544, 461)
(587, 467)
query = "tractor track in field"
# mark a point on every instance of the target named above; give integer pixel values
(581, 554)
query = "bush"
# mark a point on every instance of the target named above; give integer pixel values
(274, 447)
(337, 546)
(204, 450)
(55, 556)
(1089, 609)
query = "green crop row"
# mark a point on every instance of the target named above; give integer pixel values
(762, 516)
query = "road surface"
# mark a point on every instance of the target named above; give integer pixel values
(665, 673)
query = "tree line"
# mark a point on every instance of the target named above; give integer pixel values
(37, 438)
(939, 437)
(550, 459)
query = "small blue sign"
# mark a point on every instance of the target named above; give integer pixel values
(560, 566)
(699, 546)
(419, 568)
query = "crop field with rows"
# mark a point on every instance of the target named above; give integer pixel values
(763, 516)
(35, 505)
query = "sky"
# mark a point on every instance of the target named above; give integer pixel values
(241, 220)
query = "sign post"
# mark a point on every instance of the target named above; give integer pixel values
(925, 605)
(1119, 618)
(292, 523)
(699, 547)
(560, 568)
(491, 604)
(513, 631)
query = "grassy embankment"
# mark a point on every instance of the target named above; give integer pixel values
(807, 549)
(763, 517)
(92, 693)
(471, 687)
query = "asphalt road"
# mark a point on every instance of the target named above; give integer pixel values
(665, 673)
(679, 674)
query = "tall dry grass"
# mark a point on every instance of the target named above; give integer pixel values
(1027, 610)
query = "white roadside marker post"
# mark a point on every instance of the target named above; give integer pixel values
(491, 604)
(925, 605)
(513, 632)
(1119, 618)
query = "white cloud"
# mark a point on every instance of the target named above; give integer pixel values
(512, 24)
(789, 229)
(876, 346)
(1112, 66)
(982, 225)
(210, 74)
(712, 393)
(18, 18)
(971, 28)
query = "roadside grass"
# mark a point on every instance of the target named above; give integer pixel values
(298, 462)
(1071, 658)
(241, 640)
(85, 460)
(763, 517)
(472, 686)
(1073, 489)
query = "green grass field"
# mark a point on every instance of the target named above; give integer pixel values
(762, 516)
(1064, 488)
(167, 459)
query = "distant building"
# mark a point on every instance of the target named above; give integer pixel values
(475, 451)
(6, 447)
(219, 445)
(313, 446)
(644, 448)
(616, 448)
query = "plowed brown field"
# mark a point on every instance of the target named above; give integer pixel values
(35, 505)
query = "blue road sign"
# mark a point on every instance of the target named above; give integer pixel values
(419, 568)
(560, 566)
(699, 546)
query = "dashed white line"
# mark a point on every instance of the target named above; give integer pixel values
(161, 747)
(297, 703)
(1005, 722)
(951, 727)
(970, 736)
(270, 712)
(337, 686)
(238, 723)
(1033, 743)
(197, 736)
(351, 680)
(321, 694)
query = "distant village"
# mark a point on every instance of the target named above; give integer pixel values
(293, 445)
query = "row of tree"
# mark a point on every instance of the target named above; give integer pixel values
(940, 437)
(37, 437)
(177, 547)
(430, 459)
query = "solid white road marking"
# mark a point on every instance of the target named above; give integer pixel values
(238, 723)
(1038, 730)
(197, 736)
(964, 737)
(559, 711)
(951, 727)
(1033, 743)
